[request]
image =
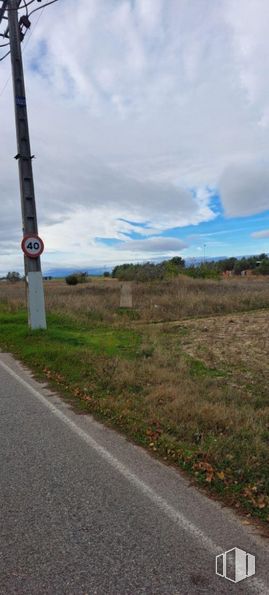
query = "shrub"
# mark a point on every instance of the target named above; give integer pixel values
(71, 280)
(149, 271)
(82, 277)
(13, 276)
(202, 271)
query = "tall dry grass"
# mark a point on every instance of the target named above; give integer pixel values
(176, 299)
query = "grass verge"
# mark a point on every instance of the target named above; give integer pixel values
(164, 388)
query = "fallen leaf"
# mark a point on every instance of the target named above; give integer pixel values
(261, 502)
(209, 477)
(204, 466)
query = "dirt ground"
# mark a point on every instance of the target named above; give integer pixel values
(239, 343)
(229, 338)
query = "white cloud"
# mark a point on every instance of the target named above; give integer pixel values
(132, 104)
(248, 20)
(244, 189)
(261, 234)
(158, 244)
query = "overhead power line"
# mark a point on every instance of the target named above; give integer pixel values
(3, 57)
(7, 7)
(43, 6)
(24, 47)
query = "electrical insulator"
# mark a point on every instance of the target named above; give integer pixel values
(25, 21)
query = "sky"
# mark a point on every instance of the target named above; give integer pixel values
(149, 121)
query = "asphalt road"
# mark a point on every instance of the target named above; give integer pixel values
(83, 511)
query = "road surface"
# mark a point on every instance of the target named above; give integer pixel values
(83, 511)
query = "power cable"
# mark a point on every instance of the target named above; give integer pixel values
(19, 7)
(44, 5)
(5, 86)
(3, 57)
(23, 48)
(26, 4)
(32, 30)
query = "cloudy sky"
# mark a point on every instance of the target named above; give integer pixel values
(149, 121)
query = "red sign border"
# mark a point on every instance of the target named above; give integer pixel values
(24, 240)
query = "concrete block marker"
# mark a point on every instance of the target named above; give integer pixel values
(126, 298)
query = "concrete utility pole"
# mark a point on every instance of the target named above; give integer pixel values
(32, 265)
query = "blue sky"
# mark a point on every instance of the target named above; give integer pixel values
(149, 121)
(222, 236)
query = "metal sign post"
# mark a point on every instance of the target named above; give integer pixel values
(32, 265)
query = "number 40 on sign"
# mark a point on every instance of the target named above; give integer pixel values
(32, 246)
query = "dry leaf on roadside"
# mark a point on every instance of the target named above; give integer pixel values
(204, 466)
(209, 477)
(261, 502)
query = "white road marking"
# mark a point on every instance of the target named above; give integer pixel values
(177, 517)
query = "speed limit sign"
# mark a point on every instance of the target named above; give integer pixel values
(32, 246)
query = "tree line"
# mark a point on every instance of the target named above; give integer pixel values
(149, 271)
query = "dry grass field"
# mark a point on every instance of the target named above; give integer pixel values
(185, 372)
(179, 298)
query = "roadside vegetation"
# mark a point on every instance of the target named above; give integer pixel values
(184, 372)
(215, 269)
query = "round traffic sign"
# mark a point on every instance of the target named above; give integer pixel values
(32, 246)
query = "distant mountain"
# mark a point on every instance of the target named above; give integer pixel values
(196, 260)
(63, 272)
